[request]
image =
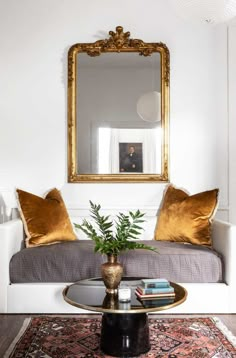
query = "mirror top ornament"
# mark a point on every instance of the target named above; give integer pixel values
(118, 110)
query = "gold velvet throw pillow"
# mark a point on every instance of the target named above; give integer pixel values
(45, 220)
(186, 218)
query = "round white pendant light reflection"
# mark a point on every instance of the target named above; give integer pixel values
(149, 106)
(205, 11)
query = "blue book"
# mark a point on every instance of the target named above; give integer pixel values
(155, 283)
(156, 290)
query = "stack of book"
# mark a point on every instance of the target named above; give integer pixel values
(155, 292)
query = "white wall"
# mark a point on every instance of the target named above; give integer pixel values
(232, 121)
(35, 37)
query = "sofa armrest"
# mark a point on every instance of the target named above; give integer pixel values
(224, 242)
(11, 237)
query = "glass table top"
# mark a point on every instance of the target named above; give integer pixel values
(90, 295)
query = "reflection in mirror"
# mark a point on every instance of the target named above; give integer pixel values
(110, 87)
(129, 150)
(118, 107)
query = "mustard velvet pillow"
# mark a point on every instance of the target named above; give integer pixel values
(45, 220)
(186, 218)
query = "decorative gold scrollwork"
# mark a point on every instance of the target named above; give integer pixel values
(118, 41)
(119, 38)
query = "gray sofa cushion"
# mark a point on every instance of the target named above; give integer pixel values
(72, 261)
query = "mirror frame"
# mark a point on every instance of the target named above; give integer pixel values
(117, 42)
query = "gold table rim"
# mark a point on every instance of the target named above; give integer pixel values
(119, 311)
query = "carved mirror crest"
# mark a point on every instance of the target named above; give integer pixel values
(118, 110)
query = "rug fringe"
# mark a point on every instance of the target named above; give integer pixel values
(16, 339)
(222, 327)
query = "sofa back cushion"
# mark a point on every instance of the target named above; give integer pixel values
(45, 220)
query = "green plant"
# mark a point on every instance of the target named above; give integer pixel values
(127, 228)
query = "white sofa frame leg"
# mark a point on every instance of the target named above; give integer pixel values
(11, 237)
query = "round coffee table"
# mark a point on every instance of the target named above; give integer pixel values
(125, 331)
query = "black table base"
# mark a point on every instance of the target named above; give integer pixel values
(125, 335)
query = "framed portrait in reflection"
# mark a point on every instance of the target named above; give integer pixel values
(131, 157)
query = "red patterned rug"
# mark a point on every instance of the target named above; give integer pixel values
(63, 337)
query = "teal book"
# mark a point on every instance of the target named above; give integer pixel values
(155, 283)
(151, 291)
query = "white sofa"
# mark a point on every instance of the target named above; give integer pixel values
(47, 297)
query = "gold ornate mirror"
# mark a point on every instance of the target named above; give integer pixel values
(118, 110)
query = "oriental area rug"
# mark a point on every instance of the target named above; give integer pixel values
(68, 337)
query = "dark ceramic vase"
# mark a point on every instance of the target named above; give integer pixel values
(111, 273)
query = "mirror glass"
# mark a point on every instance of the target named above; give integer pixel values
(112, 138)
(118, 113)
